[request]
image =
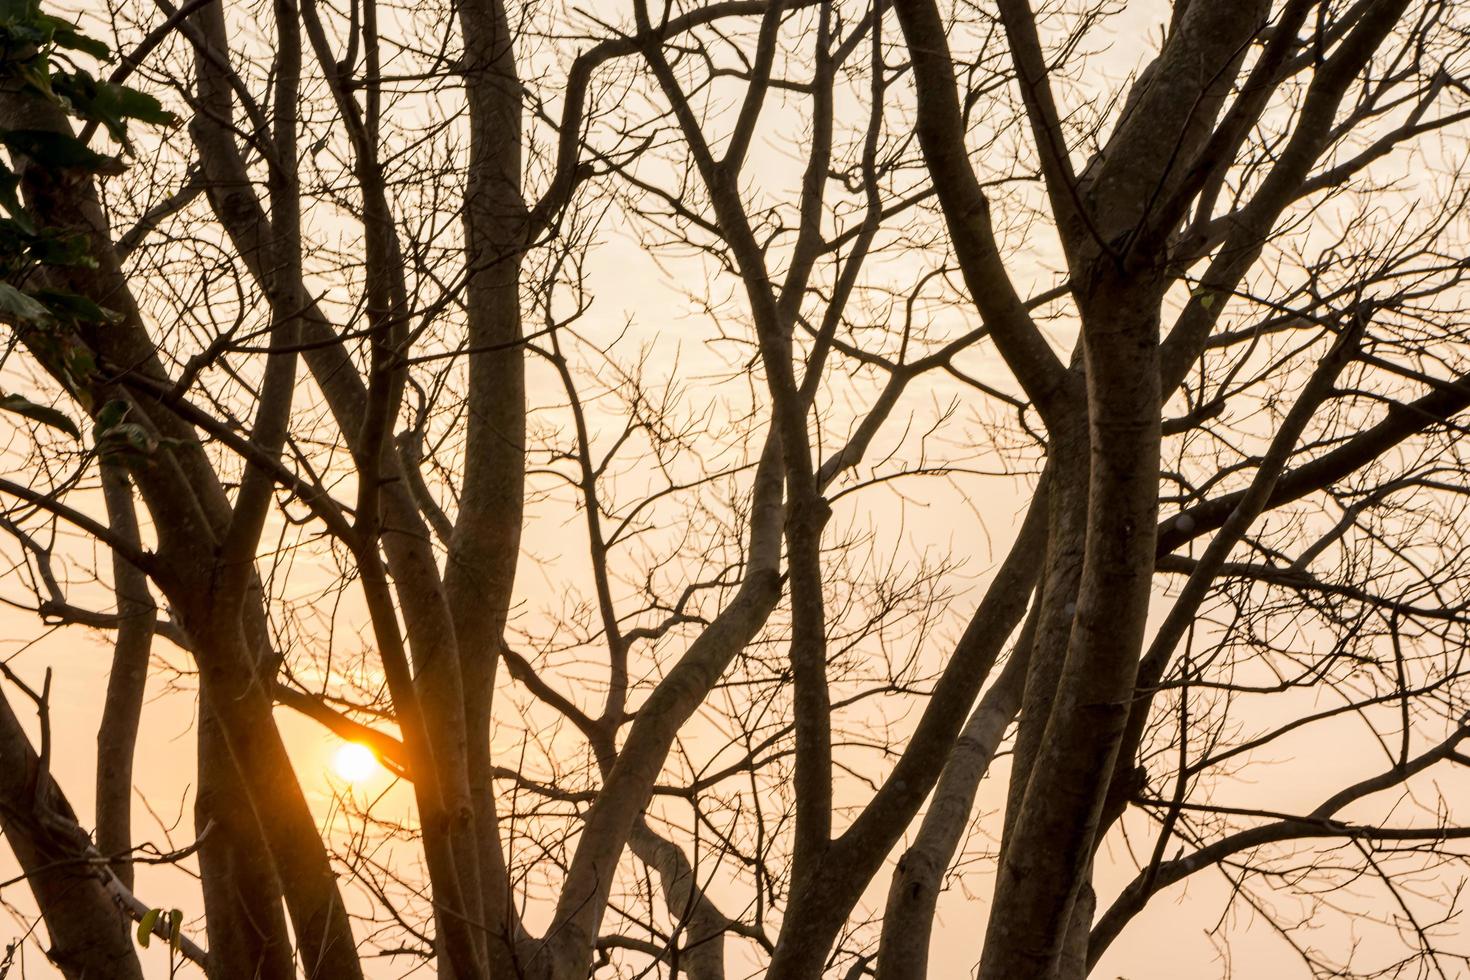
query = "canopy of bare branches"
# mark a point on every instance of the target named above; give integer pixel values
(783, 488)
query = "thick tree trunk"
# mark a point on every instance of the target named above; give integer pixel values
(242, 704)
(1050, 837)
(90, 934)
(242, 894)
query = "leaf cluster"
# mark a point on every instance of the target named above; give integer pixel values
(37, 52)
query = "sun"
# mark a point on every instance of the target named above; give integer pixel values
(355, 763)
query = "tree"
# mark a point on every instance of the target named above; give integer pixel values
(368, 427)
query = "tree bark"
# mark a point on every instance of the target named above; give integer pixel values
(90, 935)
(913, 895)
(117, 734)
(485, 546)
(1050, 839)
(242, 893)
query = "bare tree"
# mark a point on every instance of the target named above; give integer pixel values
(689, 363)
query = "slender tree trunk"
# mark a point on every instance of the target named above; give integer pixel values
(1057, 605)
(809, 930)
(700, 948)
(485, 546)
(1073, 963)
(117, 734)
(903, 952)
(913, 895)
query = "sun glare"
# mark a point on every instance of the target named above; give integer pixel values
(355, 763)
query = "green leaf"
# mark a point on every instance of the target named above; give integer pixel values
(21, 11)
(127, 440)
(50, 149)
(80, 364)
(111, 414)
(175, 929)
(10, 199)
(145, 926)
(66, 36)
(52, 248)
(109, 103)
(19, 306)
(133, 104)
(62, 303)
(45, 414)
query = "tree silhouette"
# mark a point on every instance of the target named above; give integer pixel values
(686, 362)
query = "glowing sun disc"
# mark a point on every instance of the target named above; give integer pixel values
(355, 763)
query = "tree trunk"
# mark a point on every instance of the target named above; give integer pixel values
(117, 734)
(242, 894)
(908, 918)
(90, 934)
(242, 704)
(1050, 838)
